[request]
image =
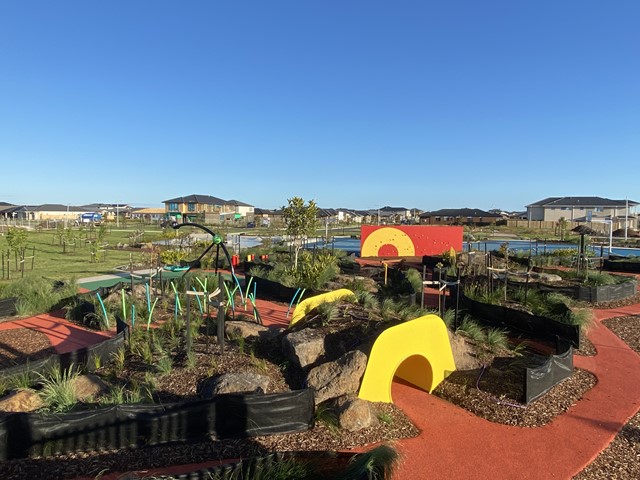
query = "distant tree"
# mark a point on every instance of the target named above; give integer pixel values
(562, 226)
(301, 221)
(17, 239)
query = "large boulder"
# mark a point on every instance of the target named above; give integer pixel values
(233, 383)
(335, 379)
(21, 401)
(88, 387)
(354, 413)
(545, 277)
(249, 330)
(304, 347)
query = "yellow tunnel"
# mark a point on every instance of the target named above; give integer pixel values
(418, 351)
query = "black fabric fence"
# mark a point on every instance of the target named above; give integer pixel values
(123, 426)
(515, 320)
(540, 380)
(83, 357)
(270, 290)
(8, 307)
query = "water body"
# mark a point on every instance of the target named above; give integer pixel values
(536, 248)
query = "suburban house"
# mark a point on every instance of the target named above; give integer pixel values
(110, 210)
(339, 215)
(592, 210)
(264, 217)
(196, 208)
(459, 216)
(147, 215)
(240, 211)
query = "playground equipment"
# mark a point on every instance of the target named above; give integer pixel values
(309, 304)
(418, 351)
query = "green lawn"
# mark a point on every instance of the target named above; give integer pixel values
(51, 262)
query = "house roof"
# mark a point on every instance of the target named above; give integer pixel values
(459, 212)
(266, 211)
(327, 212)
(201, 199)
(55, 207)
(393, 209)
(238, 203)
(149, 211)
(581, 202)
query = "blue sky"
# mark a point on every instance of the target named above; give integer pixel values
(484, 104)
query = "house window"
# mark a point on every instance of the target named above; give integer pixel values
(191, 207)
(598, 209)
(173, 207)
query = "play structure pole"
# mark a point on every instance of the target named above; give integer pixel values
(220, 315)
(188, 315)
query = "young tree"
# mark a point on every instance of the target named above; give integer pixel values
(301, 222)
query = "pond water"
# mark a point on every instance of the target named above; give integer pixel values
(535, 247)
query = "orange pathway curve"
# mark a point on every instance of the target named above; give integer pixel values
(454, 444)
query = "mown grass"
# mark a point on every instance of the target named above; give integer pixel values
(50, 261)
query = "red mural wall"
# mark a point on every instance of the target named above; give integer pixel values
(409, 241)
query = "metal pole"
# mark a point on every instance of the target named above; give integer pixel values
(188, 315)
(221, 314)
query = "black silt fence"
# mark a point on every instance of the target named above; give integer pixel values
(8, 307)
(270, 290)
(617, 265)
(515, 320)
(124, 426)
(540, 380)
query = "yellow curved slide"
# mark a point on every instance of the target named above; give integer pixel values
(309, 304)
(418, 351)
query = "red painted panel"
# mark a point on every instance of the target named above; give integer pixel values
(409, 240)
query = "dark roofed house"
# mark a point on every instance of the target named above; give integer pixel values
(459, 216)
(265, 217)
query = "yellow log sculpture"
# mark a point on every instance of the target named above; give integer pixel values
(309, 304)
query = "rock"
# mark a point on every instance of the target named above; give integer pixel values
(342, 377)
(304, 347)
(233, 383)
(89, 386)
(462, 353)
(545, 277)
(21, 401)
(354, 413)
(249, 330)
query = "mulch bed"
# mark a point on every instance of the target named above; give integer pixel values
(621, 459)
(490, 395)
(19, 345)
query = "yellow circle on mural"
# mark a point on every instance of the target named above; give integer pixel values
(388, 236)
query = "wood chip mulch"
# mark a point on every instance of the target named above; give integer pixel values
(17, 346)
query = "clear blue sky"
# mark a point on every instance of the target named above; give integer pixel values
(427, 104)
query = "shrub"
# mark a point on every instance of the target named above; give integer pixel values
(58, 389)
(38, 295)
(471, 329)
